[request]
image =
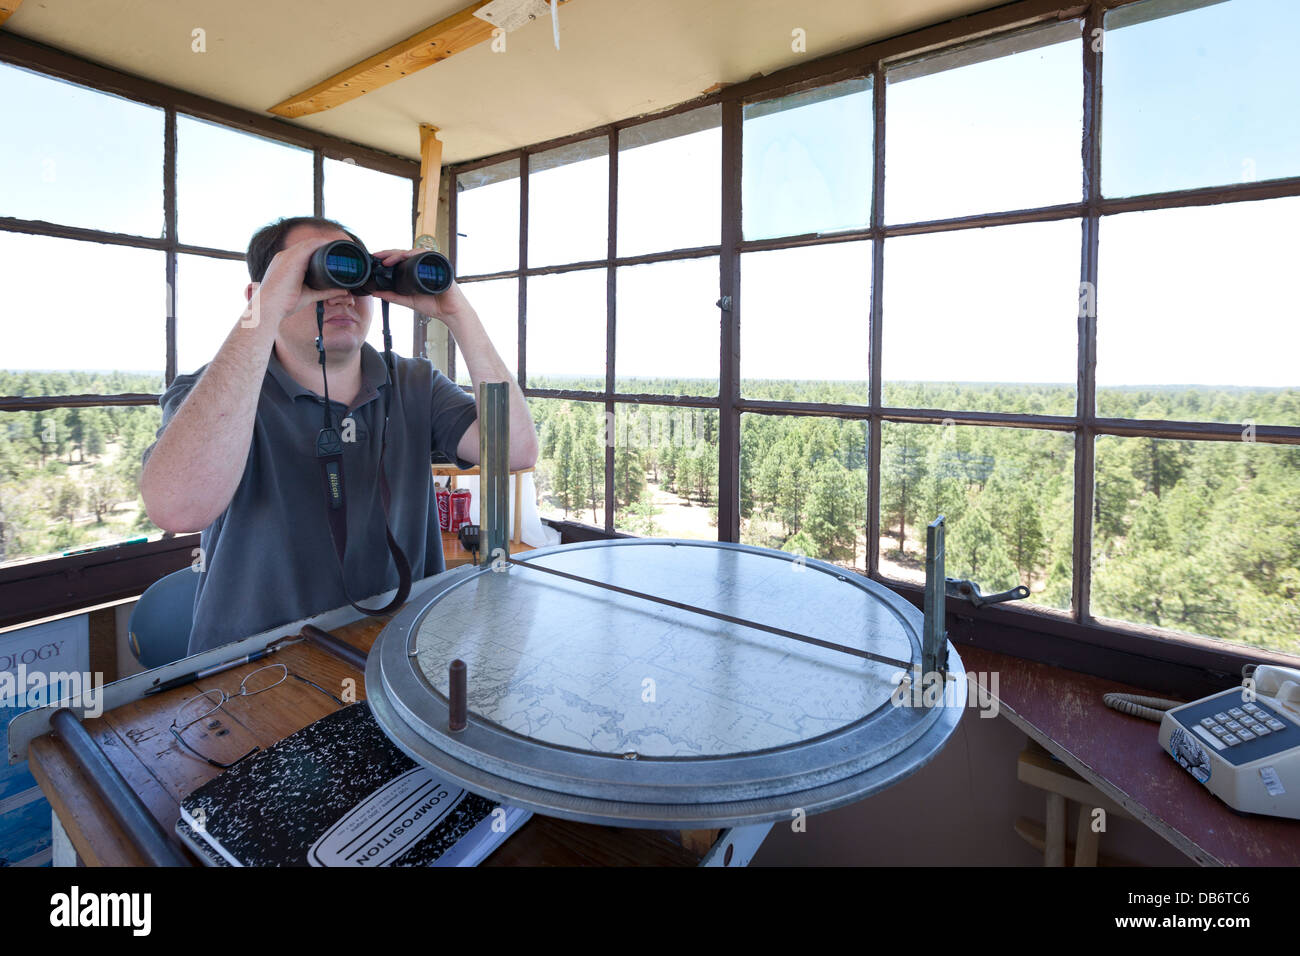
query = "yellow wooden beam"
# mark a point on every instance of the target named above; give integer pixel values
(426, 217)
(458, 32)
(7, 9)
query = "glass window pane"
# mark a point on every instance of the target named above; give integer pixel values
(670, 183)
(1199, 537)
(487, 219)
(230, 184)
(568, 203)
(570, 471)
(669, 331)
(375, 206)
(70, 479)
(803, 486)
(807, 161)
(1196, 315)
(79, 157)
(991, 127)
(784, 353)
(666, 471)
(566, 330)
(1205, 97)
(496, 302)
(1007, 495)
(116, 338)
(983, 319)
(209, 302)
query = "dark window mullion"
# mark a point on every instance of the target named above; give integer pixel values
(317, 182)
(1085, 444)
(875, 422)
(611, 329)
(521, 285)
(453, 226)
(729, 286)
(171, 238)
(420, 327)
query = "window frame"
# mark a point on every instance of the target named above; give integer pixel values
(1141, 653)
(1082, 636)
(31, 589)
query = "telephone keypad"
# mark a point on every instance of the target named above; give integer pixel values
(1240, 729)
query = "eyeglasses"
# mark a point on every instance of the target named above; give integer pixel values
(203, 706)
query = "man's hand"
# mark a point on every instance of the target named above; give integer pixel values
(448, 307)
(282, 291)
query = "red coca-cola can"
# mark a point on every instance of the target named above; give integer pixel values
(460, 499)
(443, 496)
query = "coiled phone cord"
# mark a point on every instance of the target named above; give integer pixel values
(1148, 708)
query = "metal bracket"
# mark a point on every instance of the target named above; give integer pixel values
(494, 472)
(934, 644)
(970, 591)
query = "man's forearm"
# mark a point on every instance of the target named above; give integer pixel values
(486, 365)
(196, 466)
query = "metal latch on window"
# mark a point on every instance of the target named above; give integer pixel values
(970, 591)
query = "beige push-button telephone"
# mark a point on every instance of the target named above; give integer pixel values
(1243, 743)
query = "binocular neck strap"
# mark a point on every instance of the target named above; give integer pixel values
(329, 454)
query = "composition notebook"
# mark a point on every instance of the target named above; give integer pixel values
(339, 793)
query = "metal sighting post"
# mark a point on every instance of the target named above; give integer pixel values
(934, 644)
(494, 471)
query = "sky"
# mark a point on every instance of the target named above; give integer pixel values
(1187, 296)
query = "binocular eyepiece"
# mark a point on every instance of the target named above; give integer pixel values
(345, 265)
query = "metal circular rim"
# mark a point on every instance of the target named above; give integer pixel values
(814, 774)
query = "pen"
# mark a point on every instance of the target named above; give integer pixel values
(209, 671)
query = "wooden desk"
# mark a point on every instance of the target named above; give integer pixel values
(1121, 757)
(136, 738)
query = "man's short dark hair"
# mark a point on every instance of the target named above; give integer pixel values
(269, 240)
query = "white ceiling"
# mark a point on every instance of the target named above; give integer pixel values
(617, 58)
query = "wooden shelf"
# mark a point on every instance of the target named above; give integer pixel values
(455, 555)
(452, 552)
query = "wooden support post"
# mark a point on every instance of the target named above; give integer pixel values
(434, 333)
(1087, 842)
(1054, 855)
(426, 217)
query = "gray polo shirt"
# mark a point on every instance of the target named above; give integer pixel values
(268, 558)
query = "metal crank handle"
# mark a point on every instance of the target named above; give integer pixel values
(970, 591)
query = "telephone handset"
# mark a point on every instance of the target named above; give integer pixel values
(1243, 743)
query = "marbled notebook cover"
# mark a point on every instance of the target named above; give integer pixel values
(277, 807)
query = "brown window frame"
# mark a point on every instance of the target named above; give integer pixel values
(33, 589)
(1074, 638)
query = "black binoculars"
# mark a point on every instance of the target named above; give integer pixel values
(345, 265)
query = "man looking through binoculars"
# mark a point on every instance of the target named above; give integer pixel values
(238, 455)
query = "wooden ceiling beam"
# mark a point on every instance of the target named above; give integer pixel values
(7, 9)
(456, 33)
